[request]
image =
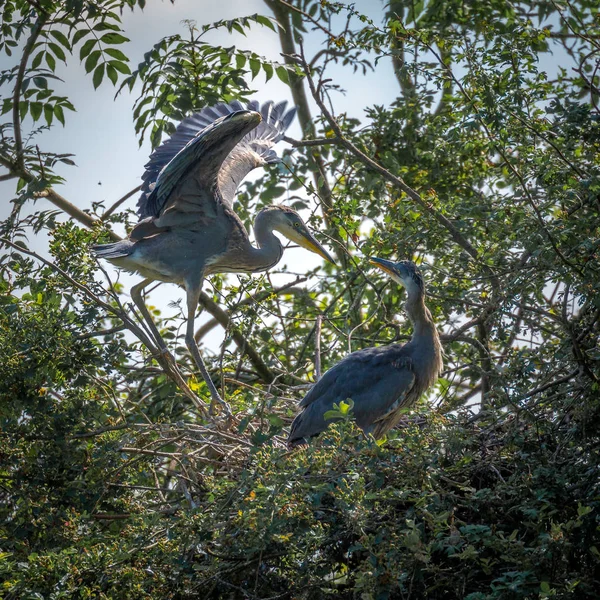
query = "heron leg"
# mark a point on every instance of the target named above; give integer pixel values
(192, 304)
(136, 296)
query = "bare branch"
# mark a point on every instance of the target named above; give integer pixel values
(120, 201)
(397, 181)
(309, 143)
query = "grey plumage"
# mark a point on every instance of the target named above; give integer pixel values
(189, 229)
(380, 381)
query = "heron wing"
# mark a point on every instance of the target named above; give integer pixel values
(184, 148)
(378, 380)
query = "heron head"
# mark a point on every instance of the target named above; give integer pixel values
(290, 224)
(403, 272)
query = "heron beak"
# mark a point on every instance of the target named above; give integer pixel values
(387, 266)
(307, 240)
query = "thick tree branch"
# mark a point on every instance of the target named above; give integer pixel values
(281, 11)
(35, 32)
(56, 199)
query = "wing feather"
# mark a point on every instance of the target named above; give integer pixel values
(254, 150)
(378, 380)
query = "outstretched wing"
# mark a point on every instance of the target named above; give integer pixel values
(376, 379)
(253, 150)
(193, 171)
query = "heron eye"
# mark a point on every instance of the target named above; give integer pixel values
(296, 225)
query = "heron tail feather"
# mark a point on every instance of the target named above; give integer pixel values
(114, 250)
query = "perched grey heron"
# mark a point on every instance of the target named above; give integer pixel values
(380, 381)
(189, 229)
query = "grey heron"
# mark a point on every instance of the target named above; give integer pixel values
(380, 381)
(189, 229)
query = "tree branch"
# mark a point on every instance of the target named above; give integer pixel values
(456, 235)
(56, 199)
(288, 287)
(35, 32)
(223, 319)
(120, 201)
(281, 11)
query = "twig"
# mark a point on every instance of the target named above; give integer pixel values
(120, 201)
(310, 143)
(318, 348)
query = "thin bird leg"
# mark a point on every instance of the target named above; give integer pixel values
(136, 296)
(192, 304)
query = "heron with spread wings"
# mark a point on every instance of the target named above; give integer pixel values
(189, 228)
(380, 381)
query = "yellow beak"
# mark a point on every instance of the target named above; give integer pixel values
(310, 243)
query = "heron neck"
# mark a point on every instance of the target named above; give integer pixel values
(427, 351)
(420, 317)
(269, 249)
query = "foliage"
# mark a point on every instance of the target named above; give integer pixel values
(114, 482)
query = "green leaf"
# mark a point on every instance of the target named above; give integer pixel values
(268, 69)
(59, 114)
(37, 59)
(35, 109)
(92, 61)
(332, 414)
(116, 53)
(120, 66)
(98, 75)
(346, 407)
(61, 38)
(41, 82)
(240, 60)
(283, 74)
(48, 113)
(266, 22)
(106, 26)
(51, 61)
(86, 48)
(80, 34)
(113, 38)
(112, 74)
(254, 67)
(58, 51)
(7, 105)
